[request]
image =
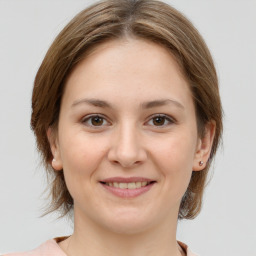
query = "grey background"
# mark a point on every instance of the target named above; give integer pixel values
(227, 223)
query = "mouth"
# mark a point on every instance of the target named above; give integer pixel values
(127, 187)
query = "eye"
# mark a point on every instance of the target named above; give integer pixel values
(161, 120)
(95, 121)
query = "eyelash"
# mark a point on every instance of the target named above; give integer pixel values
(87, 118)
(167, 118)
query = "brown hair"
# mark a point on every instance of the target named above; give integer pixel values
(114, 19)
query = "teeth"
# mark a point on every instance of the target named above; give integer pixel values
(140, 184)
(123, 185)
(144, 183)
(131, 185)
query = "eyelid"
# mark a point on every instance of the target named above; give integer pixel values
(170, 119)
(88, 117)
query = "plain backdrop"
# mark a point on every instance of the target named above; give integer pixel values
(226, 225)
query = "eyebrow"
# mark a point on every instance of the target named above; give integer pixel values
(161, 102)
(144, 105)
(94, 102)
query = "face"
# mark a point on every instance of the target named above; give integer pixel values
(127, 137)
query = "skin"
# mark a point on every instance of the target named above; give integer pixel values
(127, 142)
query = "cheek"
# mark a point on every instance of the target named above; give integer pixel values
(81, 156)
(176, 151)
(174, 158)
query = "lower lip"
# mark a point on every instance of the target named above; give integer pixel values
(128, 193)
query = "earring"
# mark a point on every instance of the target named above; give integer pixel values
(53, 160)
(201, 163)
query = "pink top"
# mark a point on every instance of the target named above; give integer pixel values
(51, 248)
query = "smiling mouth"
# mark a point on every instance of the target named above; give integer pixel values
(130, 185)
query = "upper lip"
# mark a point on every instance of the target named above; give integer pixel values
(126, 180)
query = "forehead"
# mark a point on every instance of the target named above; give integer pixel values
(131, 52)
(132, 67)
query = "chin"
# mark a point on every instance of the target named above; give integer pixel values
(129, 224)
(128, 228)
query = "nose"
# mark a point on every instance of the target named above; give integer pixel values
(127, 147)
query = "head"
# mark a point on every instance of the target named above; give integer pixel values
(122, 21)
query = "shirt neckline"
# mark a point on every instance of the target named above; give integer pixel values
(62, 238)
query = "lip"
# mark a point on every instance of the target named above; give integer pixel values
(126, 180)
(127, 193)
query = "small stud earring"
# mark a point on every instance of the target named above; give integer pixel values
(53, 160)
(201, 163)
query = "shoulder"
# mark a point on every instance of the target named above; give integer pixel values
(48, 248)
(187, 249)
(51, 247)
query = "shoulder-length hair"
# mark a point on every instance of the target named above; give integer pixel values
(115, 19)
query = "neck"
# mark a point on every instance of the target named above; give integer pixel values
(90, 239)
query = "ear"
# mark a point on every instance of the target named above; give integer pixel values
(204, 147)
(53, 140)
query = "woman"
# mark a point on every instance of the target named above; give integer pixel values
(127, 117)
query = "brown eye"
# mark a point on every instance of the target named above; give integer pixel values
(159, 120)
(97, 121)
